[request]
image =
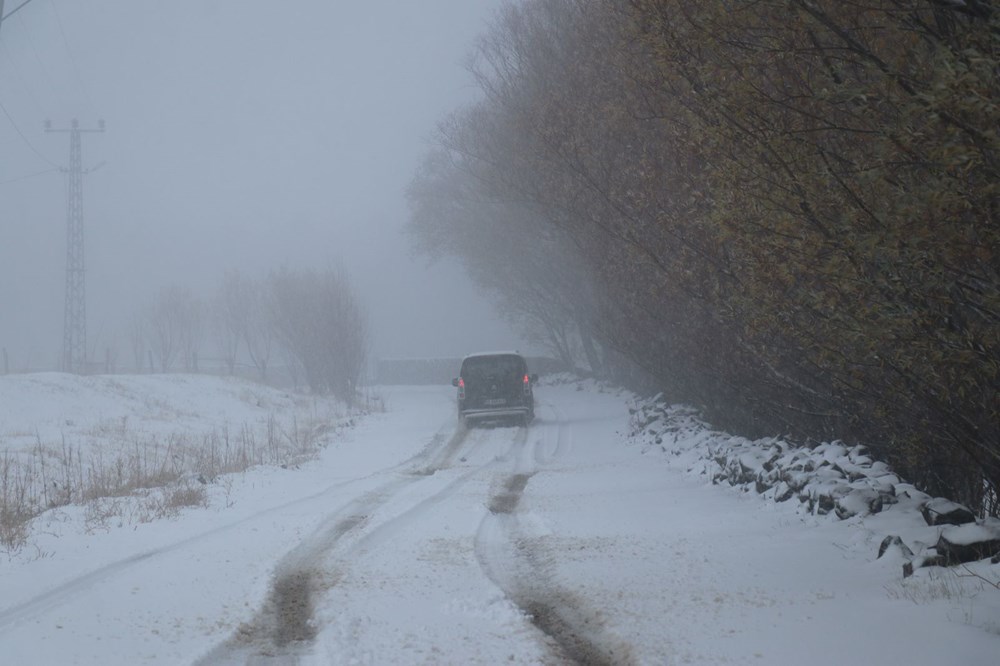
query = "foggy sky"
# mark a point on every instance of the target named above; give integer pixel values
(240, 134)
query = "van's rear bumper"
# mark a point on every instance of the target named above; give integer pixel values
(496, 412)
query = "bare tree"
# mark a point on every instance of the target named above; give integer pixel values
(259, 332)
(317, 318)
(192, 330)
(175, 327)
(230, 317)
(137, 342)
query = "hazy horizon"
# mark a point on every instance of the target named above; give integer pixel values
(240, 135)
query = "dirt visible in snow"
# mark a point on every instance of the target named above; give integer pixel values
(507, 501)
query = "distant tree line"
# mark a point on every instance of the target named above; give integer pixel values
(312, 319)
(782, 211)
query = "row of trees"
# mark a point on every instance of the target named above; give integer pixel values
(783, 211)
(312, 319)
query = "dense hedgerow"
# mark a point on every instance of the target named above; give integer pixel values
(782, 211)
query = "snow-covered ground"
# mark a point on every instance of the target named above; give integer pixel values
(408, 540)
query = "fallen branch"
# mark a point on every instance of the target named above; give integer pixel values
(969, 573)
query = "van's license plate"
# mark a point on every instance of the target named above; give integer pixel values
(493, 402)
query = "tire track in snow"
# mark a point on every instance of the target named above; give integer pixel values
(514, 563)
(546, 451)
(443, 457)
(283, 630)
(437, 449)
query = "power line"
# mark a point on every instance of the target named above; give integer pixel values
(34, 101)
(27, 176)
(20, 78)
(26, 33)
(13, 11)
(29, 38)
(72, 57)
(25, 139)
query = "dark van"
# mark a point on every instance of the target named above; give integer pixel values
(495, 385)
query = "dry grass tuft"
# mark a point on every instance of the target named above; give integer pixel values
(129, 476)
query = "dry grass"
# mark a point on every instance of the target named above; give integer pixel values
(938, 584)
(144, 506)
(126, 476)
(15, 504)
(185, 496)
(969, 595)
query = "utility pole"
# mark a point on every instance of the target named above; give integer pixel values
(74, 357)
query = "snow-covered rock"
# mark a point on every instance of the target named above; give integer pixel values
(940, 511)
(829, 479)
(896, 545)
(970, 542)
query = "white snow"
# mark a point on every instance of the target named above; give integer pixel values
(964, 535)
(425, 544)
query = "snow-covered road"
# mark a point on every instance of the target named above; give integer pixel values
(416, 542)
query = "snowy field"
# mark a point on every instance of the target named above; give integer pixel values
(399, 538)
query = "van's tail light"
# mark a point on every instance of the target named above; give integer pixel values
(527, 383)
(461, 388)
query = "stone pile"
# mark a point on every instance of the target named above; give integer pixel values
(827, 479)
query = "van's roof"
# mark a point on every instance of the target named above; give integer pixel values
(493, 353)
